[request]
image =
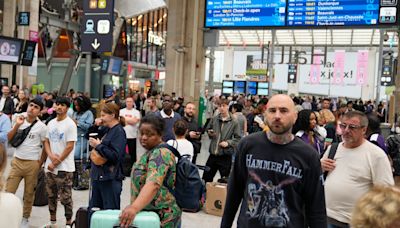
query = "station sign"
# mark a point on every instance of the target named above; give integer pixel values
(97, 26)
(387, 69)
(300, 13)
(292, 73)
(28, 53)
(23, 18)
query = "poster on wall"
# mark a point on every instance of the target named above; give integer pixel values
(255, 66)
(323, 83)
(362, 67)
(338, 68)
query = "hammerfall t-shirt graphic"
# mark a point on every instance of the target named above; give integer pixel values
(266, 200)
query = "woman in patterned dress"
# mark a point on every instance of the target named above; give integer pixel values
(152, 175)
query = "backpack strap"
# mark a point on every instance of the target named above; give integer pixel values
(331, 155)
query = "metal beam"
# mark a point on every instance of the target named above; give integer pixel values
(294, 38)
(53, 20)
(351, 37)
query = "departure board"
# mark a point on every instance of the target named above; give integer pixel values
(245, 13)
(332, 12)
(300, 13)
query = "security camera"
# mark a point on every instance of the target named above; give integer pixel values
(385, 37)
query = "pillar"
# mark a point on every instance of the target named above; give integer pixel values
(185, 51)
(368, 89)
(9, 13)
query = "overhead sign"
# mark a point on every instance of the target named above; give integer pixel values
(23, 18)
(242, 13)
(10, 49)
(97, 27)
(300, 13)
(387, 69)
(28, 53)
(292, 73)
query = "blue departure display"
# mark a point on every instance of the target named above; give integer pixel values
(300, 13)
(332, 12)
(238, 13)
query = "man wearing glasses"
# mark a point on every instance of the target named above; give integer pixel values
(357, 166)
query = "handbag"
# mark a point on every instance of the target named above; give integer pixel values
(21, 135)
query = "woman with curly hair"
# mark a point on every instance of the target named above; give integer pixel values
(380, 207)
(304, 129)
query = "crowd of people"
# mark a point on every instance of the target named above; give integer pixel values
(272, 152)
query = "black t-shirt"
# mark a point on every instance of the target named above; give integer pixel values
(278, 185)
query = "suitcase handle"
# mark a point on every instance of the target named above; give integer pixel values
(130, 226)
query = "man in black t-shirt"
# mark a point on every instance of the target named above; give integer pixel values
(276, 177)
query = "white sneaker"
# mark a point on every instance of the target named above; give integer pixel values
(24, 223)
(51, 225)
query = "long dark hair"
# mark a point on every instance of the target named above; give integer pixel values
(303, 121)
(84, 104)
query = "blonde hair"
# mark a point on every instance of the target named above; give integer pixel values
(379, 207)
(327, 116)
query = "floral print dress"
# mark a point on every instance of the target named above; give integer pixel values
(158, 165)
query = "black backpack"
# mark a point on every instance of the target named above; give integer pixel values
(393, 146)
(188, 185)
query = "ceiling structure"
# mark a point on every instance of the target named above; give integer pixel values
(307, 37)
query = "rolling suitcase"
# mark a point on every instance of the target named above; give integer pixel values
(110, 219)
(81, 174)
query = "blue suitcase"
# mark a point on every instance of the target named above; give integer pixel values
(110, 219)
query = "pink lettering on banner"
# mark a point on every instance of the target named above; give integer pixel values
(338, 68)
(362, 65)
(315, 69)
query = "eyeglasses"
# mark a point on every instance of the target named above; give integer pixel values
(350, 126)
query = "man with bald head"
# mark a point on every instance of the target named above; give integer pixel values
(276, 177)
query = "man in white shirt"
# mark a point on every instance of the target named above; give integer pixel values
(28, 157)
(59, 166)
(357, 166)
(132, 119)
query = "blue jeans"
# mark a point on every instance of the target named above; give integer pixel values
(106, 194)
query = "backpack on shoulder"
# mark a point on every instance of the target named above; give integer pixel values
(393, 146)
(189, 186)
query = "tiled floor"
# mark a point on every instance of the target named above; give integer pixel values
(40, 215)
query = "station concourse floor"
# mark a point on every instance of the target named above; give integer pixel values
(40, 215)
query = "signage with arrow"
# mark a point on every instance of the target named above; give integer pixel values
(97, 27)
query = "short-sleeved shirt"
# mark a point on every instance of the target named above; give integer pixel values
(31, 147)
(59, 134)
(158, 166)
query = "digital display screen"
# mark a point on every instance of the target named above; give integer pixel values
(28, 53)
(239, 90)
(227, 84)
(239, 84)
(263, 85)
(10, 49)
(227, 90)
(300, 13)
(243, 13)
(263, 92)
(251, 84)
(114, 66)
(252, 91)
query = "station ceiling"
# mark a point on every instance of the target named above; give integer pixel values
(330, 37)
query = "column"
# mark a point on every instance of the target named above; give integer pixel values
(185, 52)
(9, 13)
(368, 89)
(23, 78)
(228, 63)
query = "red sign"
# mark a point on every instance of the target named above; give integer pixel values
(33, 36)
